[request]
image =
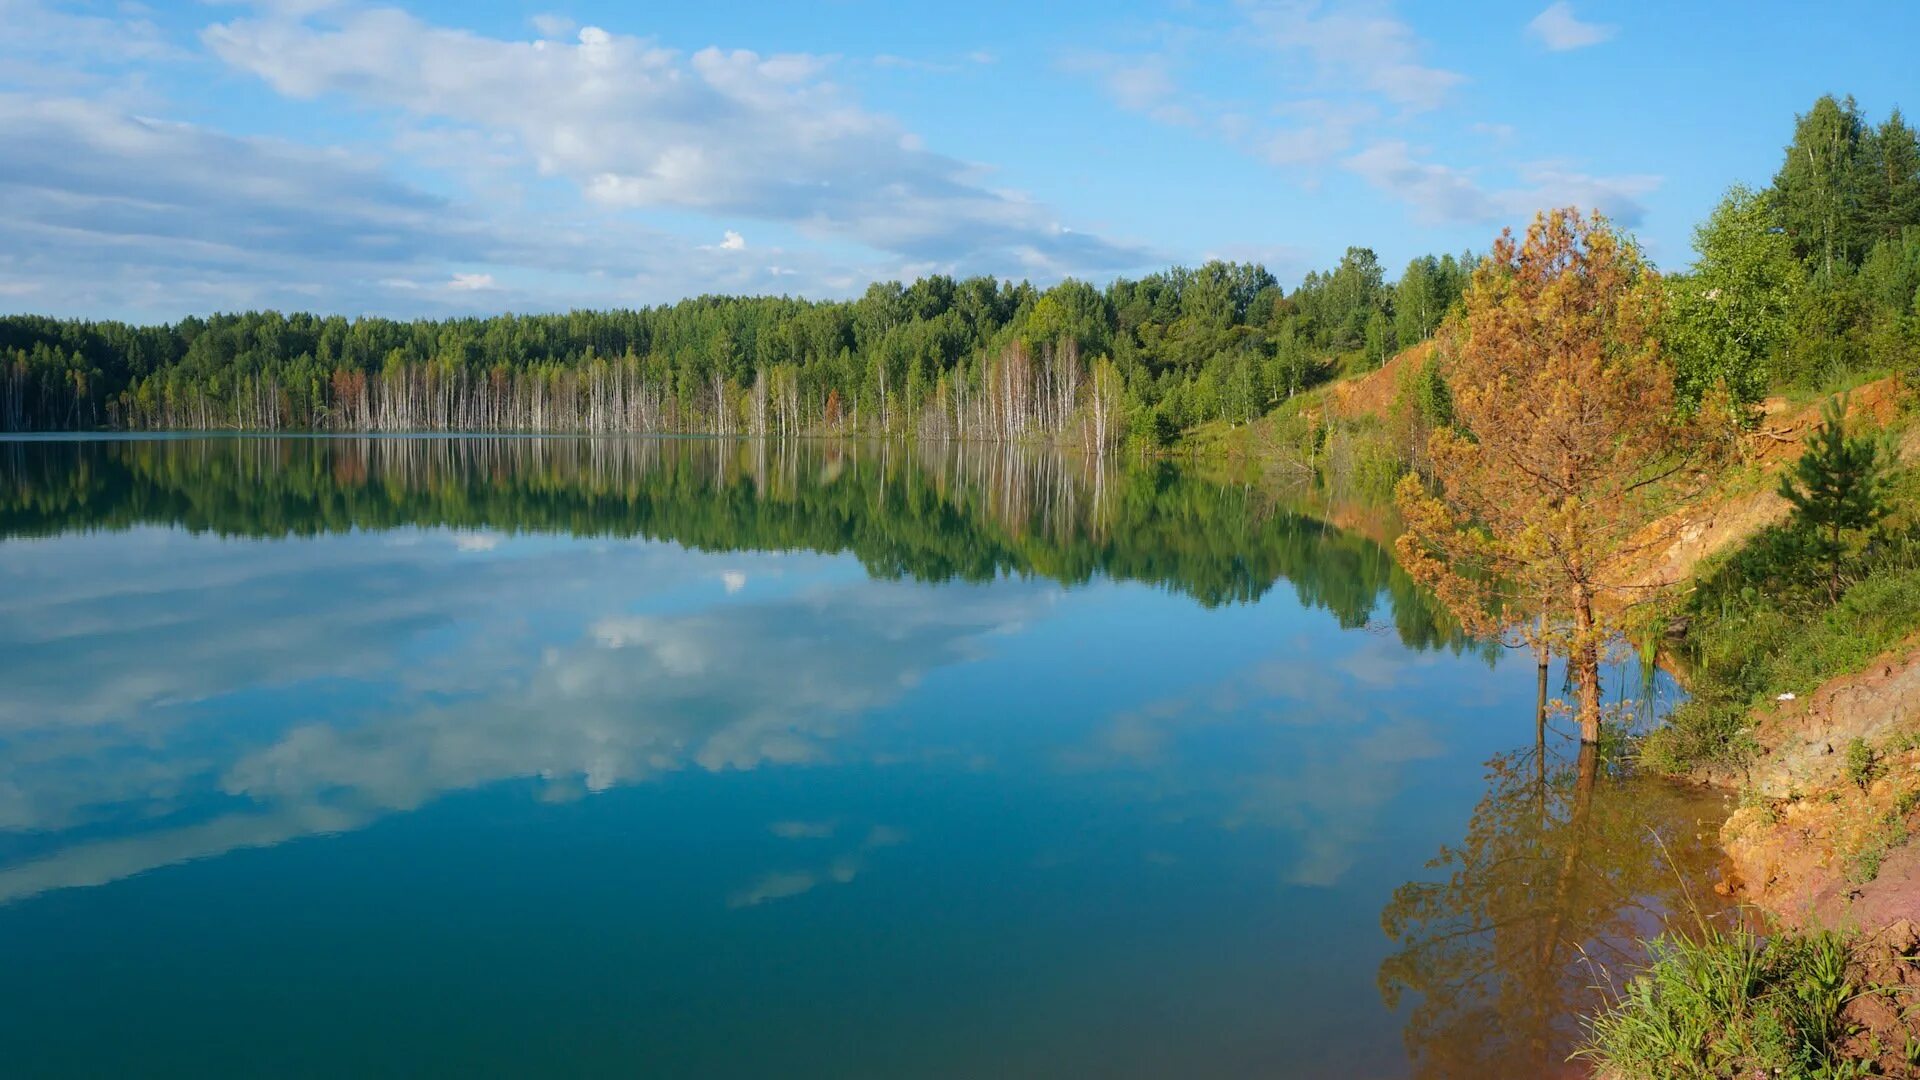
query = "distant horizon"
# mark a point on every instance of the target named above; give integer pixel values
(433, 160)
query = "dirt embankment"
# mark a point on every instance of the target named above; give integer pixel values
(1823, 839)
(1372, 394)
(1667, 550)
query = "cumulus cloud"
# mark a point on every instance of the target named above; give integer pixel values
(103, 210)
(633, 123)
(1558, 29)
(131, 213)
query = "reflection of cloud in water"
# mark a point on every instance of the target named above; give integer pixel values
(802, 830)
(467, 696)
(784, 884)
(1318, 753)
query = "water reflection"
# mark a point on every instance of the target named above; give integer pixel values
(1566, 866)
(623, 743)
(169, 699)
(934, 513)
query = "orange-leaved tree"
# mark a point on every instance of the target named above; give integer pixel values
(1562, 412)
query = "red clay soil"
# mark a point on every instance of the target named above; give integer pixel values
(1667, 550)
(1798, 849)
(1886, 965)
(1838, 858)
(1372, 394)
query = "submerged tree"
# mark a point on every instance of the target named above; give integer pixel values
(1561, 400)
(1838, 486)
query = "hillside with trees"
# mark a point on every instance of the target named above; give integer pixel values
(975, 359)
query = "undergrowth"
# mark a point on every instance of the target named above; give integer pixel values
(1730, 1004)
(1761, 624)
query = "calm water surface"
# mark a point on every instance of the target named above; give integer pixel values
(637, 757)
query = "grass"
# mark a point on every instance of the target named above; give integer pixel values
(1860, 763)
(1730, 1004)
(1888, 834)
(1760, 623)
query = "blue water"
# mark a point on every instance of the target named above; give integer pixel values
(313, 765)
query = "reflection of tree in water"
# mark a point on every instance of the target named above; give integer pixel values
(940, 512)
(1566, 865)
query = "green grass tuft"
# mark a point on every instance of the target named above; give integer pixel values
(1729, 1004)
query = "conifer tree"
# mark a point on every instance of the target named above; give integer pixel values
(1838, 486)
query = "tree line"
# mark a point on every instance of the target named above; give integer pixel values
(973, 359)
(1813, 279)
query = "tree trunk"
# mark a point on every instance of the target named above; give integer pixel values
(1584, 662)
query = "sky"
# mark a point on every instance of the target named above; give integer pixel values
(442, 158)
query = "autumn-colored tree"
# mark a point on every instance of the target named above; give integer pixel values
(1562, 400)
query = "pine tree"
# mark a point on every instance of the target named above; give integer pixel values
(1838, 486)
(1561, 406)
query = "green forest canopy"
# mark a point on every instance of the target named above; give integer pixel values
(1185, 346)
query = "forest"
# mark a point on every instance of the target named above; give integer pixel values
(973, 359)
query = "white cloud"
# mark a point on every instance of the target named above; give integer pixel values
(113, 213)
(733, 581)
(1138, 83)
(1444, 194)
(1363, 66)
(579, 714)
(733, 241)
(552, 26)
(1558, 29)
(780, 885)
(38, 33)
(1356, 43)
(635, 124)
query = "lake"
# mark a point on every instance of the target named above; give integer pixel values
(694, 757)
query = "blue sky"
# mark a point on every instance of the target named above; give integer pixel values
(439, 158)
